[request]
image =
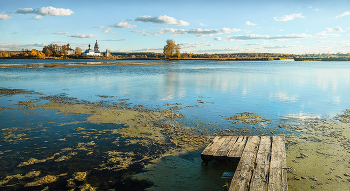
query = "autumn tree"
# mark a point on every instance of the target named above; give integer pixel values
(78, 51)
(63, 50)
(171, 48)
(177, 51)
(47, 52)
(33, 53)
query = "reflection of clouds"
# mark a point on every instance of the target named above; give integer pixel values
(329, 78)
(336, 99)
(244, 92)
(300, 116)
(284, 97)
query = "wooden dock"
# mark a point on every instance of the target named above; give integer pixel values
(262, 161)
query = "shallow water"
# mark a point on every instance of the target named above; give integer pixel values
(205, 92)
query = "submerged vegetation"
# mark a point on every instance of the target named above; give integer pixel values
(109, 144)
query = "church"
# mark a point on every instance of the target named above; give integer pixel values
(95, 52)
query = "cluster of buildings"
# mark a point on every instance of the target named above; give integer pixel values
(89, 52)
(95, 52)
(321, 55)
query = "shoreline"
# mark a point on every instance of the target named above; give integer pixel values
(322, 59)
(217, 59)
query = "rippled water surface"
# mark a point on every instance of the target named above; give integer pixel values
(206, 92)
(272, 89)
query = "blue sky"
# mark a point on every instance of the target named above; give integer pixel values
(221, 26)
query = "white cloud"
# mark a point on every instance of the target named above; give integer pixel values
(343, 14)
(166, 30)
(204, 25)
(325, 41)
(4, 17)
(14, 46)
(326, 33)
(249, 23)
(143, 31)
(82, 35)
(37, 17)
(217, 38)
(100, 27)
(161, 20)
(280, 46)
(107, 30)
(61, 33)
(124, 25)
(289, 17)
(309, 7)
(256, 44)
(237, 49)
(338, 29)
(43, 11)
(204, 32)
(281, 30)
(115, 40)
(316, 9)
(198, 32)
(147, 49)
(266, 37)
(185, 45)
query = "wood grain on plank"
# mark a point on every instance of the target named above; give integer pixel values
(225, 148)
(244, 171)
(260, 175)
(210, 150)
(237, 149)
(277, 180)
(284, 165)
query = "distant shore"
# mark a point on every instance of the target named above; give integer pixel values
(322, 59)
(218, 59)
(153, 58)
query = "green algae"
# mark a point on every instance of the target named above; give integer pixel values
(143, 128)
(247, 118)
(320, 157)
(44, 180)
(317, 154)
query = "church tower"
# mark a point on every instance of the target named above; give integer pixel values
(96, 48)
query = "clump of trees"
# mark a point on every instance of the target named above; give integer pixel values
(25, 53)
(56, 51)
(171, 49)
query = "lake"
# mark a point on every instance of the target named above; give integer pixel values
(112, 127)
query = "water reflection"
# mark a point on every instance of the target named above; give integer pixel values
(273, 89)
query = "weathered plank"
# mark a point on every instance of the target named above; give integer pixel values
(277, 178)
(210, 150)
(284, 165)
(243, 174)
(260, 175)
(237, 149)
(225, 148)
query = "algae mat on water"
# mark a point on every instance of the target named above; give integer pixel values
(81, 145)
(62, 143)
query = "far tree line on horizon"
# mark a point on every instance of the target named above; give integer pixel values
(170, 51)
(49, 51)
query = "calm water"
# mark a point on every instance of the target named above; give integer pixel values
(277, 90)
(273, 89)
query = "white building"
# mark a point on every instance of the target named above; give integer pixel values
(70, 51)
(96, 51)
